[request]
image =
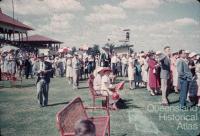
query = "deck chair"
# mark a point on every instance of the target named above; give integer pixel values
(94, 95)
(74, 111)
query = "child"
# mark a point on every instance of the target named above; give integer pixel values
(84, 128)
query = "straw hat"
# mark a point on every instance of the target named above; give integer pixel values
(192, 54)
(69, 55)
(158, 52)
(175, 53)
(99, 69)
(75, 54)
(41, 55)
(142, 54)
(187, 51)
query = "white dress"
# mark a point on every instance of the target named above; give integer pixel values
(97, 83)
(69, 68)
(105, 84)
(131, 69)
(175, 75)
(144, 69)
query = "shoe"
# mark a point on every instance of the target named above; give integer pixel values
(152, 93)
(165, 104)
(185, 108)
(113, 107)
(75, 88)
(176, 92)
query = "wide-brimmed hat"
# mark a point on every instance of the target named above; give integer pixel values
(41, 55)
(151, 53)
(11, 50)
(99, 69)
(187, 51)
(158, 52)
(142, 54)
(175, 53)
(192, 54)
(69, 55)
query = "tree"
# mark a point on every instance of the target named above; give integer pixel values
(95, 50)
(73, 50)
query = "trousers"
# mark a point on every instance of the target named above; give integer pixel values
(183, 86)
(42, 92)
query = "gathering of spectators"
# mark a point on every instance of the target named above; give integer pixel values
(159, 72)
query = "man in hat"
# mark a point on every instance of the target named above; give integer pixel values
(12, 62)
(61, 65)
(125, 65)
(185, 77)
(75, 70)
(27, 66)
(192, 57)
(43, 69)
(165, 64)
(114, 63)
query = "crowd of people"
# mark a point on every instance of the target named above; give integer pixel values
(159, 72)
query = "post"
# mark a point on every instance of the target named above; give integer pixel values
(26, 36)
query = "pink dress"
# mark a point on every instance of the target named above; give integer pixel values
(154, 80)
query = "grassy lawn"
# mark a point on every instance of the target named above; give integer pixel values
(20, 114)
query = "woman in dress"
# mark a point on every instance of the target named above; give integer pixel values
(174, 71)
(69, 70)
(154, 81)
(107, 87)
(144, 66)
(131, 73)
(193, 87)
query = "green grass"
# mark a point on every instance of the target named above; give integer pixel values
(20, 114)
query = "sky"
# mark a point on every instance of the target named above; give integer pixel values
(153, 24)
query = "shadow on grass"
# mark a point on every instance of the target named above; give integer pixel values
(174, 102)
(23, 86)
(120, 80)
(126, 104)
(60, 103)
(124, 134)
(83, 87)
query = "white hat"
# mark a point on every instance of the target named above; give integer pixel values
(142, 54)
(192, 54)
(187, 51)
(69, 55)
(99, 69)
(75, 53)
(158, 52)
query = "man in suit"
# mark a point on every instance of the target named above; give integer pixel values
(43, 70)
(184, 77)
(165, 74)
(75, 70)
